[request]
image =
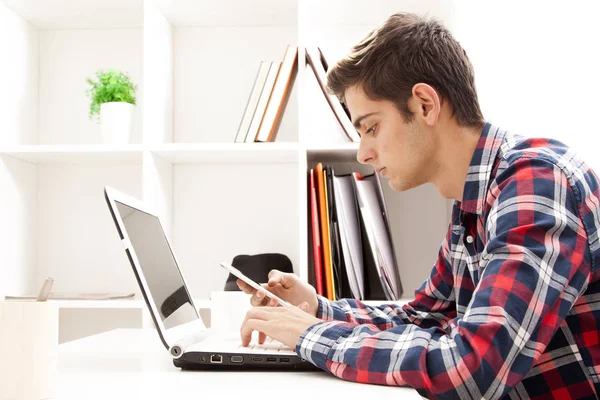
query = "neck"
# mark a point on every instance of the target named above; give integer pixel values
(455, 151)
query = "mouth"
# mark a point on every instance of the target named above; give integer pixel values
(380, 171)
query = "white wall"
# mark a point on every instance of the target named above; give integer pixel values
(537, 67)
(19, 66)
(18, 245)
(158, 73)
(77, 242)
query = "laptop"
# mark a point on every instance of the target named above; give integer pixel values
(179, 326)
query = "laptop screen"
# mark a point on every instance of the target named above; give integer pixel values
(158, 266)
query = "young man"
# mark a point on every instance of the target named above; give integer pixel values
(511, 308)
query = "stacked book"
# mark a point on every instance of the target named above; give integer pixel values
(268, 98)
(270, 93)
(353, 252)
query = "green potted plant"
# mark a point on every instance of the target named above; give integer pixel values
(112, 96)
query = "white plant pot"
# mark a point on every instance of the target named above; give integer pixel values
(116, 121)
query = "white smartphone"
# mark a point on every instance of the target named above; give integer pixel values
(255, 285)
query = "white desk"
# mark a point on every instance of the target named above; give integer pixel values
(133, 364)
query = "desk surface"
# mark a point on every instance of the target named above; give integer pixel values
(133, 364)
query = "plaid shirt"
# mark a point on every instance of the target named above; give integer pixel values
(512, 306)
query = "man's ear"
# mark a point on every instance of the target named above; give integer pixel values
(427, 103)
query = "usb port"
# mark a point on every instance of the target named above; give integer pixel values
(216, 359)
(258, 359)
(271, 359)
(284, 360)
(237, 359)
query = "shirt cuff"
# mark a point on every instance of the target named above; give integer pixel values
(315, 344)
(324, 311)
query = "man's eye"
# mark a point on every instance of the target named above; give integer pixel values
(371, 129)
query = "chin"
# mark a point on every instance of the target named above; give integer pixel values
(399, 186)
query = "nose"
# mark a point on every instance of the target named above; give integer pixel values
(365, 153)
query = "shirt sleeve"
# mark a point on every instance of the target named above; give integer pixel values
(534, 266)
(433, 305)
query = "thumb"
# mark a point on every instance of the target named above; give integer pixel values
(284, 279)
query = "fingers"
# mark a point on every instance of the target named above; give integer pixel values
(250, 326)
(259, 299)
(254, 321)
(245, 287)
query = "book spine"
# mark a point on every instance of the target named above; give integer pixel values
(277, 101)
(252, 103)
(262, 102)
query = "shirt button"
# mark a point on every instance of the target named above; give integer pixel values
(469, 239)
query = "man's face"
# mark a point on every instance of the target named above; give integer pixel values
(402, 152)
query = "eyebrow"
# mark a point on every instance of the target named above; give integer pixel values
(358, 120)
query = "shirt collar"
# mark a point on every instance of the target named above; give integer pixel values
(480, 169)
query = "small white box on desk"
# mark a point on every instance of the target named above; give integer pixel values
(28, 349)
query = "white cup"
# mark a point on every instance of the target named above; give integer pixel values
(228, 310)
(28, 350)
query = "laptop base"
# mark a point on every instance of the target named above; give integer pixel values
(236, 361)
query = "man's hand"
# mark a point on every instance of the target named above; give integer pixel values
(288, 287)
(284, 324)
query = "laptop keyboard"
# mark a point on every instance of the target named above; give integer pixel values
(269, 345)
(234, 344)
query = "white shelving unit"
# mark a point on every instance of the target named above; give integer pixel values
(194, 63)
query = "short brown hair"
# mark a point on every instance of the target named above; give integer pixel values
(408, 49)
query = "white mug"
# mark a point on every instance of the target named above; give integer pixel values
(28, 350)
(228, 310)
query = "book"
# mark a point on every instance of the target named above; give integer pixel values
(279, 96)
(263, 101)
(314, 57)
(255, 92)
(75, 296)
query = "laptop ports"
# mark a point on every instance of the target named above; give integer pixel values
(271, 359)
(284, 360)
(258, 359)
(237, 359)
(216, 359)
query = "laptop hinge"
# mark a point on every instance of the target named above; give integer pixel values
(180, 346)
(126, 243)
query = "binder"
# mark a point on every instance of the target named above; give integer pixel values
(316, 235)
(340, 276)
(378, 233)
(325, 239)
(350, 234)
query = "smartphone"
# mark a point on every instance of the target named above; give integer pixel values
(255, 285)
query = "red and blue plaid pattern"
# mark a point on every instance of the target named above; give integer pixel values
(512, 306)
